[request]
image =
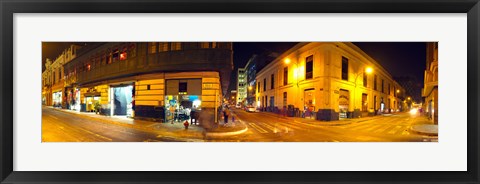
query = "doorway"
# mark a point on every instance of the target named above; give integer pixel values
(121, 100)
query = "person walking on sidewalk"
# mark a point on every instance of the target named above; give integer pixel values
(226, 113)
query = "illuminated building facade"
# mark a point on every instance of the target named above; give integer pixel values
(430, 89)
(327, 81)
(159, 80)
(241, 86)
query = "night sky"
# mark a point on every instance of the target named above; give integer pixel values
(398, 58)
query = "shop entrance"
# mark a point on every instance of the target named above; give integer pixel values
(183, 100)
(121, 100)
(57, 99)
(92, 103)
(343, 103)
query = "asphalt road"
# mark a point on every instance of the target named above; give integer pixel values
(59, 126)
(268, 127)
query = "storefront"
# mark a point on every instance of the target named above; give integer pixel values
(343, 103)
(73, 99)
(121, 99)
(92, 101)
(57, 98)
(182, 97)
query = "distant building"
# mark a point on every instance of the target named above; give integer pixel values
(53, 80)
(251, 70)
(241, 86)
(412, 87)
(430, 89)
(233, 96)
(327, 81)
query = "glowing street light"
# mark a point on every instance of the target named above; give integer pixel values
(287, 61)
(250, 87)
(369, 70)
(408, 98)
(398, 91)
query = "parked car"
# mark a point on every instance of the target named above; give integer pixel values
(238, 106)
(250, 109)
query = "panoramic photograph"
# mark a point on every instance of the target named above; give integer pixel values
(239, 92)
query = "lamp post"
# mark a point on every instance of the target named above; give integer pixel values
(368, 70)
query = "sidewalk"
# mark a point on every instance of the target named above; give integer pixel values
(421, 125)
(176, 129)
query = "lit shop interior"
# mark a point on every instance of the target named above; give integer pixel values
(57, 99)
(73, 99)
(182, 97)
(121, 100)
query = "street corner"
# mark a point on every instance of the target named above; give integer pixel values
(225, 130)
(425, 129)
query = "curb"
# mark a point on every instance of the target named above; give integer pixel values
(423, 133)
(223, 134)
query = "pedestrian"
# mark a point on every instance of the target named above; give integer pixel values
(226, 113)
(233, 118)
(193, 116)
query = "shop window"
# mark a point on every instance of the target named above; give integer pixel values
(309, 67)
(344, 68)
(285, 76)
(272, 81)
(152, 47)
(163, 47)
(176, 46)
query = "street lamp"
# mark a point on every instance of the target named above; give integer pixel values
(368, 70)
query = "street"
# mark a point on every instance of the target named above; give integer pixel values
(60, 126)
(269, 127)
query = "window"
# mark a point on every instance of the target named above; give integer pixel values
(152, 47)
(148, 87)
(205, 45)
(394, 91)
(258, 87)
(365, 79)
(182, 87)
(284, 99)
(162, 46)
(344, 68)
(53, 77)
(264, 84)
(115, 55)
(132, 50)
(123, 55)
(176, 46)
(214, 44)
(383, 91)
(285, 76)
(389, 88)
(272, 82)
(309, 67)
(375, 82)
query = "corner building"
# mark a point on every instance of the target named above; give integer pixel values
(329, 81)
(160, 80)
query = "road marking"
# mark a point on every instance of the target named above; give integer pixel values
(361, 126)
(258, 128)
(54, 117)
(152, 124)
(269, 126)
(373, 127)
(381, 129)
(394, 130)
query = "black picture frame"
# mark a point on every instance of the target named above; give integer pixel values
(9, 7)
